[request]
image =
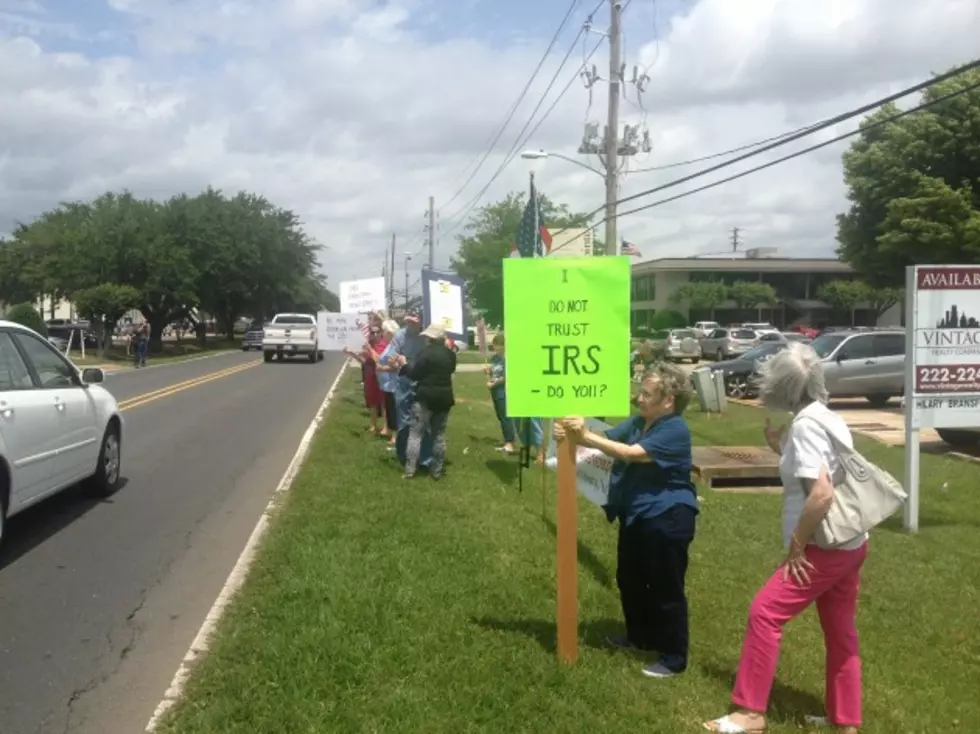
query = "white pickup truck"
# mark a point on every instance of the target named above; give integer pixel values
(291, 335)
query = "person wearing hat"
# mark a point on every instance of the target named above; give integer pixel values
(432, 371)
(407, 343)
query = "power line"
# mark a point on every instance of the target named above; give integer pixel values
(818, 146)
(513, 109)
(796, 136)
(464, 211)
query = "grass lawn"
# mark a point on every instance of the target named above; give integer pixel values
(172, 351)
(378, 605)
(473, 356)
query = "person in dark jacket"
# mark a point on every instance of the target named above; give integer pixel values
(432, 371)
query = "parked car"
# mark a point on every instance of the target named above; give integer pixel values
(722, 344)
(58, 425)
(253, 336)
(761, 327)
(783, 336)
(863, 363)
(58, 343)
(741, 373)
(960, 438)
(703, 328)
(75, 333)
(677, 344)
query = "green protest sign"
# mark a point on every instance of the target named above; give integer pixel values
(567, 322)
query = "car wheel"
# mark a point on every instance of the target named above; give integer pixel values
(719, 356)
(959, 439)
(736, 387)
(695, 360)
(244, 349)
(105, 481)
(267, 356)
(878, 401)
(312, 357)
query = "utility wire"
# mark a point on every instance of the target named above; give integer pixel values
(464, 211)
(796, 136)
(513, 109)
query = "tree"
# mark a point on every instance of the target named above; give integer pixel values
(228, 257)
(914, 187)
(706, 296)
(751, 294)
(26, 315)
(103, 306)
(490, 235)
(882, 299)
(844, 295)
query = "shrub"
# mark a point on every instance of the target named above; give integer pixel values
(667, 320)
(26, 315)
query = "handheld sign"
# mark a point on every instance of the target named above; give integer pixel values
(568, 336)
(568, 345)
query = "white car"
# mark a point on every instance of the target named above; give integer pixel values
(58, 425)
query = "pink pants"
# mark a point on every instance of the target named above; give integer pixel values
(833, 585)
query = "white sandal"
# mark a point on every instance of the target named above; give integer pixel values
(725, 725)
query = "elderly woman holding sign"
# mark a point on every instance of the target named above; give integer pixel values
(652, 496)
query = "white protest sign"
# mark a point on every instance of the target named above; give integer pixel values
(593, 468)
(338, 330)
(362, 296)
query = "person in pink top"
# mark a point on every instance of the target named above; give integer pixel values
(793, 382)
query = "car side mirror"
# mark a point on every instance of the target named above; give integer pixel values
(93, 376)
(841, 356)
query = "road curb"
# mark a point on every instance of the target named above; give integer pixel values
(202, 642)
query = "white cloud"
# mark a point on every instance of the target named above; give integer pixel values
(353, 113)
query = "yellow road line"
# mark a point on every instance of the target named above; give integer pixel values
(164, 392)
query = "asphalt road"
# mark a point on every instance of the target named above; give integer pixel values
(99, 601)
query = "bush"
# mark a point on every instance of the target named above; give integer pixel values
(26, 315)
(667, 320)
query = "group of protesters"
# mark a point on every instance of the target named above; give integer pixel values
(407, 373)
(408, 388)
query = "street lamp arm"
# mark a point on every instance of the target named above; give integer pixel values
(586, 166)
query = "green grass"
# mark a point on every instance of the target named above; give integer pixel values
(172, 352)
(378, 605)
(473, 356)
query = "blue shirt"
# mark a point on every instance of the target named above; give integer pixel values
(409, 345)
(387, 380)
(648, 490)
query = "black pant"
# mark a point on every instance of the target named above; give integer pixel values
(652, 564)
(391, 411)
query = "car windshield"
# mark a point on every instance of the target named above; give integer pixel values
(825, 344)
(743, 334)
(683, 334)
(292, 320)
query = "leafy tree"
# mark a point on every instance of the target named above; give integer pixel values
(914, 187)
(844, 295)
(704, 296)
(228, 257)
(751, 294)
(882, 299)
(490, 235)
(26, 315)
(103, 306)
(667, 320)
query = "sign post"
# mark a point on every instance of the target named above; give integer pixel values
(568, 344)
(942, 365)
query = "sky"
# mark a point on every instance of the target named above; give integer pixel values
(352, 113)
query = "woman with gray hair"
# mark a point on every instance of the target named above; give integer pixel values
(793, 381)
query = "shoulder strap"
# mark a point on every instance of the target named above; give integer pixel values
(835, 442)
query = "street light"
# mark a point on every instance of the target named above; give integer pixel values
(533, 155)
(407, 259)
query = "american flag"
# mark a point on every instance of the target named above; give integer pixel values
(528, 243)
(629, 248)
(365, 327)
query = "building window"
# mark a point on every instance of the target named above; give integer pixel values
(642, 288)
(787, 285)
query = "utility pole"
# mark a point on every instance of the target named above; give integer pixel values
(612, 125)
(735, 231)
(432, 233)
(391, 280)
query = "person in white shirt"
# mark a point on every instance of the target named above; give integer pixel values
(793, 381)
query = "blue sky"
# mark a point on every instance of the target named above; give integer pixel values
(353, 112)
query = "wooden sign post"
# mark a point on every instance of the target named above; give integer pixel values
(567, 622)
(568, 344)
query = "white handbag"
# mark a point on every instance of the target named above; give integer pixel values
(865, 495)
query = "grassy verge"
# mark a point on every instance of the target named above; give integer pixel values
(172, 352)
(378, 605)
